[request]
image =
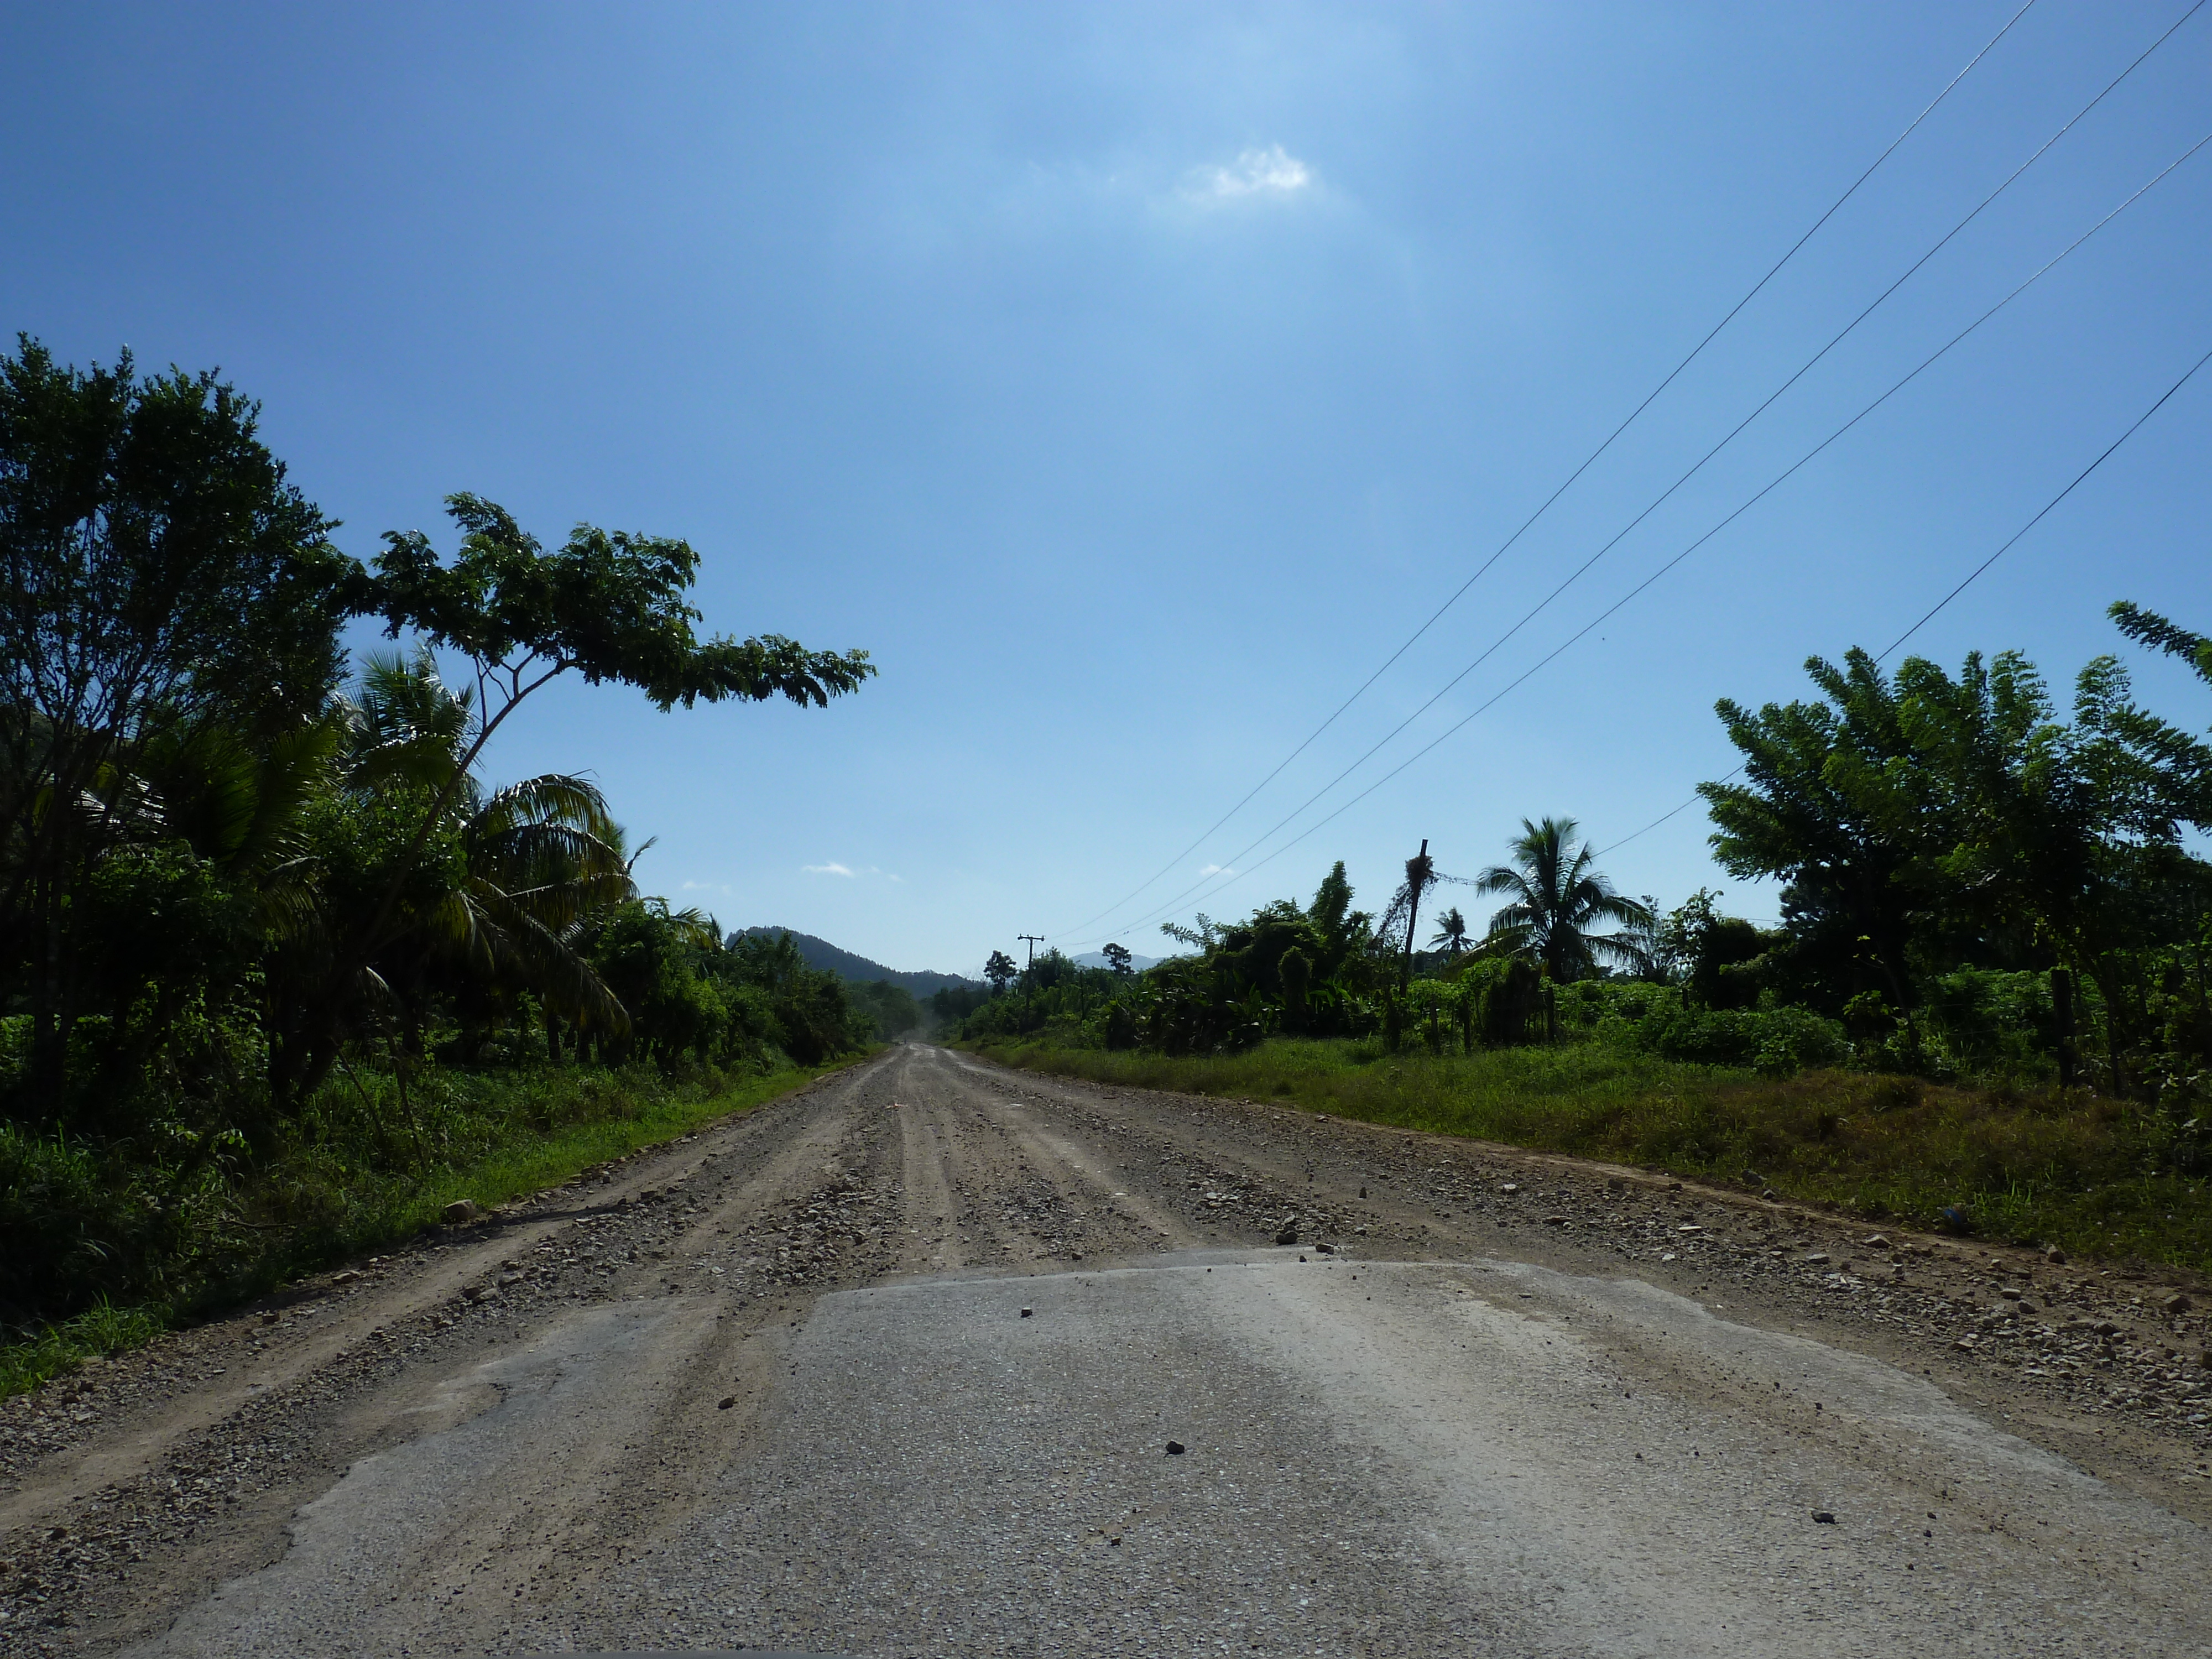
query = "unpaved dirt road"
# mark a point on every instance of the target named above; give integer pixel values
(892, 1366)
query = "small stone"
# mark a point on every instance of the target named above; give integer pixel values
(2176, 1304)
(1823, 1517)
(1176, 1449)
(460, 1210)
(270, 1318)
(1877, 1242)
(1029, 1313)
(2010, 1292)
(1768, 1196)
(2106, 1327)
(1325, 1249)
(1287, 1236)
(2055, 1256)
(1818, 1259)
(1113, 1539)
(1510, 1187)
(351, 1275)
(1363, 1191)
(726, 1403)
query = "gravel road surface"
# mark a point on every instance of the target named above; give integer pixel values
(935, 1357)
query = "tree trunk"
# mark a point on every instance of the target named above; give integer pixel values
(1417, 871)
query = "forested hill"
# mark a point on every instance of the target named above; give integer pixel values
(820, 953)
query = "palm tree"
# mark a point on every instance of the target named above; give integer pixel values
(1451, 934)
(1421, 874)
(1556, 895)
(529, 864)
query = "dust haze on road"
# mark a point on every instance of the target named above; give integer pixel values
(892, 1366)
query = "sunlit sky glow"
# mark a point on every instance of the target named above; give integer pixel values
(1130, 380)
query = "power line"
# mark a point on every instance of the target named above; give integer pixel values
(1899, 385)
(1972, 576)
(1663, 816)
(2074, 483)
(1588, 462)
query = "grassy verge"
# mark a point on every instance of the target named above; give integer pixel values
(488, 1139)
(2094, 1176)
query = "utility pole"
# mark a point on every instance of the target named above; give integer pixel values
(1417, 871)
(1036, 939)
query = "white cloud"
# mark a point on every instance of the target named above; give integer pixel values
(721, 887)
(1270, 172)
(850, 871)
(1217, 870)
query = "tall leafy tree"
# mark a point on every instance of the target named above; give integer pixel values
(158, 574)
(607, 606)
(1000, 970)
(1557, 898)
(1928, 821)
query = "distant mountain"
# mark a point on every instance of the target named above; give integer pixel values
(1093, 959)
(820, 953)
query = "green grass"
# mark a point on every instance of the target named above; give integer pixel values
(490, 1138)
(100, 1330)
(2093, 1176)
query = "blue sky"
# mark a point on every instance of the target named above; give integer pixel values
(1130, 380)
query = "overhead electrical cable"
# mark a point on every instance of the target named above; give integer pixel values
(1972, 577)
(1897, 386)
(1736, 431)
(2187, 375)
(1588, 462)
(1975, 575)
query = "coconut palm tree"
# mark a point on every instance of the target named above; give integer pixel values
(1451, 934)
(1556, 896)
(522, 870)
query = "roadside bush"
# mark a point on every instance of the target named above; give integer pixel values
(1773, 1042)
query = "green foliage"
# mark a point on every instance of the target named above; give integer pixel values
(1555, 897)
(1926, 826)
(1504, 1000)
(890, 1009)
(609, 606)
(236, 905)
(950, 1004)
(96, 1256)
